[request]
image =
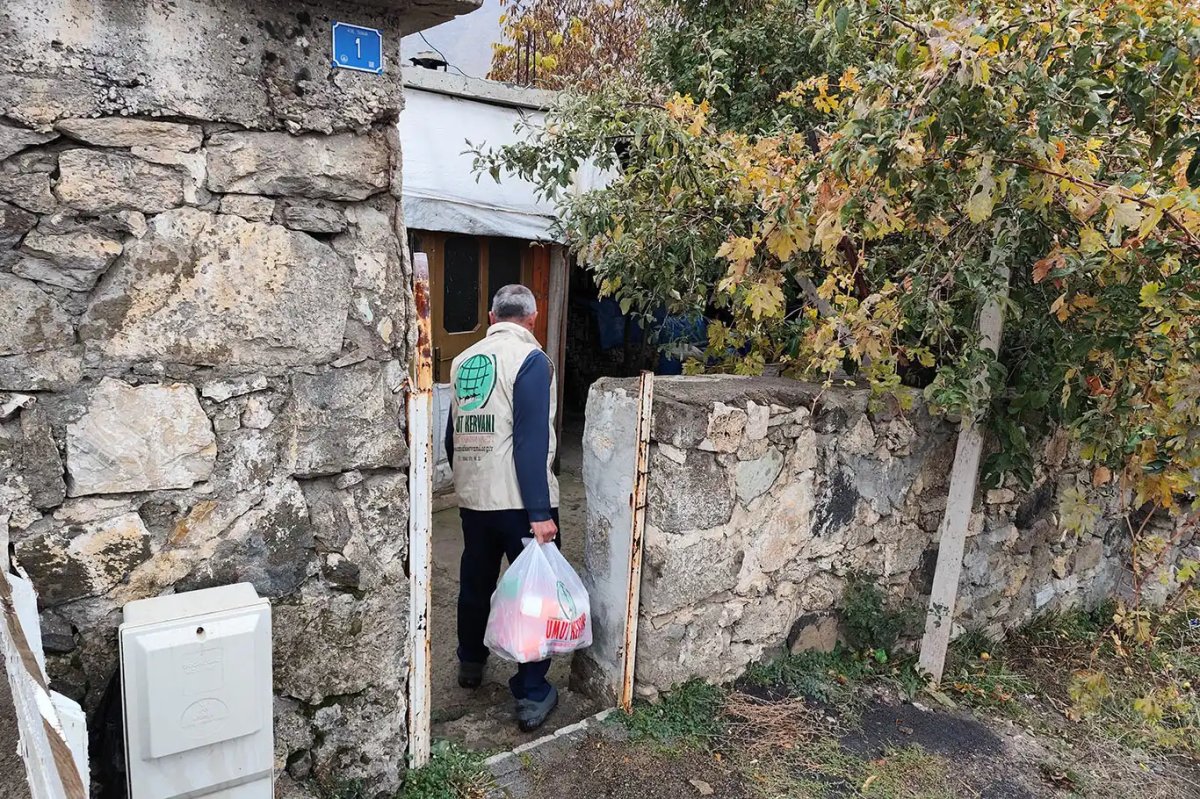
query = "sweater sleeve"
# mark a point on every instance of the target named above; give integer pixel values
(531, 434)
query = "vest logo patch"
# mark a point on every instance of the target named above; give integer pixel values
(474, 382)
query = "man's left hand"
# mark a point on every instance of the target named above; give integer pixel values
(545, 531)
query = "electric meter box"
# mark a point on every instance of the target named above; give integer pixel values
(196, 682)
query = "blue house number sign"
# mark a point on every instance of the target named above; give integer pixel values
(357, 48)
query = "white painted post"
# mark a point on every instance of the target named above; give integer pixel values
(964, 479)
(637, 537)
(420, 521)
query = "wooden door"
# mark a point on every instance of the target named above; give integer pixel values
(465, 273)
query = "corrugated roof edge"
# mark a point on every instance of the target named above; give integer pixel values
(484, 91)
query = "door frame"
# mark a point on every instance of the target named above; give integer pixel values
(418, 692)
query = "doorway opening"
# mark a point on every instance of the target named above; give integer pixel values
(465, 273)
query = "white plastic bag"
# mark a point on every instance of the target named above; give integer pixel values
(540, 608)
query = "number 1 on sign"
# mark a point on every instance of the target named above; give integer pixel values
(358, 47)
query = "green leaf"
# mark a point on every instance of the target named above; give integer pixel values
(841, 20)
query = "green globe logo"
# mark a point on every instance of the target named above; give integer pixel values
(566, 603)
(474, 382)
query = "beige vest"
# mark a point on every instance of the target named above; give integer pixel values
(482, 379)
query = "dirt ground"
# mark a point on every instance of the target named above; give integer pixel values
(482, 720)
(890, 749)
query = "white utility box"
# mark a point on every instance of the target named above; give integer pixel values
(196, 682)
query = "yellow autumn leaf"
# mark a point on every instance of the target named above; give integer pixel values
(1149, 295)
(983, 194)
(782, 244)
(1090, 241)
(1060, 309)
(763, 300)
(738, 248)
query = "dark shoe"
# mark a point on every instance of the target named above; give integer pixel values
(470, 675)
(531, 714)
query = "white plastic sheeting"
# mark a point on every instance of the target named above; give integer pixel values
(440, 188)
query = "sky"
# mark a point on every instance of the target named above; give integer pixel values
(465, 41)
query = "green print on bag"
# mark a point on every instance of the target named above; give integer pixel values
(474, 382)
(566, 602)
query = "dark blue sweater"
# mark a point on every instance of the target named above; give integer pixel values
(531, 434)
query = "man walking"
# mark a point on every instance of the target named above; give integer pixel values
(501, 444)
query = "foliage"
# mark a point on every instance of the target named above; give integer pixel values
(1143, 675)
(870, 625)
(845, 204)
(690, 715)
(553, 44)
(452, 773)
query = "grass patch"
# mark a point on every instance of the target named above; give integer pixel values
(689, 716)
(452, 773)
(978, 675)
(824, 769)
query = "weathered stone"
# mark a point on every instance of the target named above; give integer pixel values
(359, 523)
(753, 450)
(339, 167)
(725, 428)
(1088, 555)
(58, 638)
(139, 439)
(11, 403)
(27, 450)
(345, 419)
(14, 223)
(32, 321)
(71, 260)
(13, 139)
(363, 737)
(680, 425)
(248, 206)
(92, 509)
(29, 190)
(340, 573)
(814, 632)
(783, 532)
(193, 164)
(313, 217)
(85, 560)
(351, 478)
(126, 132)
(754, 477)
(697, 494)
(322, 642)
(679, 576)
(103, 182)
(271, 546)
(257, 414)
(54, 370)
(226, 424)
(1001, 496)
(758, 420)
(215, 290)
(221, 390)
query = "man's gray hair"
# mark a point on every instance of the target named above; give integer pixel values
(514, 302)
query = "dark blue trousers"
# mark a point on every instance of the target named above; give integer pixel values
(488, 536)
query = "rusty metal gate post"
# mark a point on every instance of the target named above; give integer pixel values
(637, 537)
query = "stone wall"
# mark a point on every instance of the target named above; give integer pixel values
(765, 494)
(204, 342)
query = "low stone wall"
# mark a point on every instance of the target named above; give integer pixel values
(766, 493)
